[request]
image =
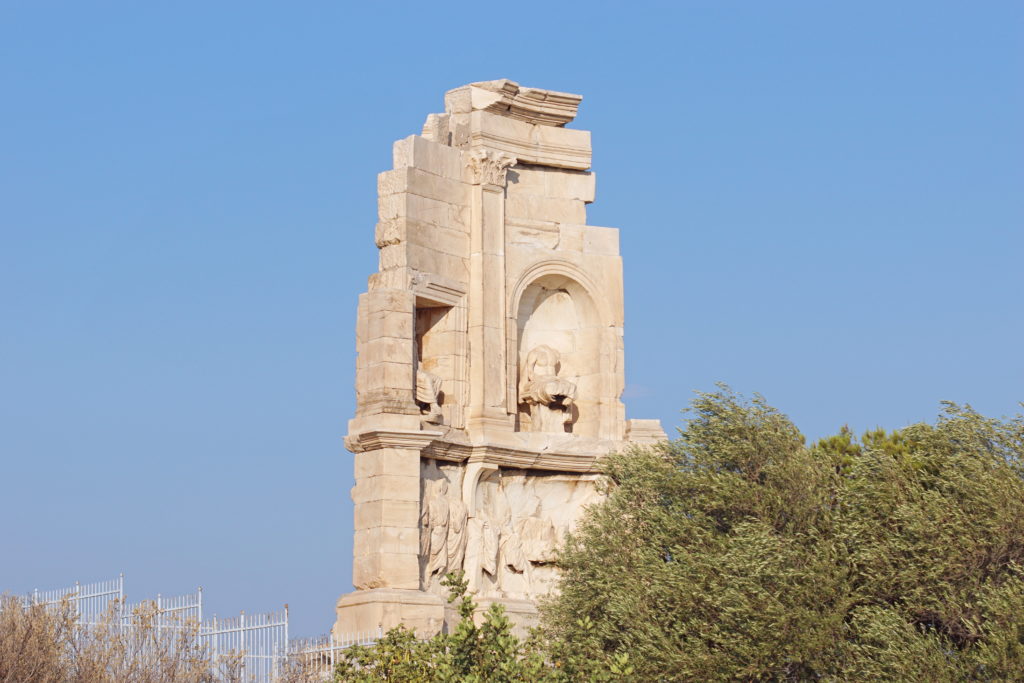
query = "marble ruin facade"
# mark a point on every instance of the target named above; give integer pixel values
(490, 360)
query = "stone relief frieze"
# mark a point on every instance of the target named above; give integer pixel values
(507, 544)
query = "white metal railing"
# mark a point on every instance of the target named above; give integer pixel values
(260, 641)
(324, 652)
(89, 600)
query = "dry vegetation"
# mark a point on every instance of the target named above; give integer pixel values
(47, 645)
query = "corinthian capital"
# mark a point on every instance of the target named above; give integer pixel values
(488, 167)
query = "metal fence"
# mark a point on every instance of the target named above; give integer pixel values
(260, 641)
(324, 652)
(89, 600)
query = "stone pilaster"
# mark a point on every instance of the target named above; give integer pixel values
(486, 296)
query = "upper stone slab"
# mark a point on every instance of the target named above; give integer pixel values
(508, 98)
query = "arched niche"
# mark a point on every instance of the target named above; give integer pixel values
(555, 306)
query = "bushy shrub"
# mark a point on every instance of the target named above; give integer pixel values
(739, 552)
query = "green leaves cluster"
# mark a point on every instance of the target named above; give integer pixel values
(739, 552)
(486, 653)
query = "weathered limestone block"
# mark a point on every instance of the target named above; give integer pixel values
(376, 610)
(392, 513)
(601, 240)
(387, 487)
(424, 155)
(548, 182)
(423, 184)
(453, 242)
(387, 323)
(539, 208)
(385, 570)
(428, 259)
(381, 461)
(395, 540)
(523, 232)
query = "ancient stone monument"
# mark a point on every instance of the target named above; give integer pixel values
(490, 360)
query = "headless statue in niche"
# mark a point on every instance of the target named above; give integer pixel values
(428, 394)
(548, 397)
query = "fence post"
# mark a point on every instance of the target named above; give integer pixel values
(284, 661)
(121, 611)
(241, 635)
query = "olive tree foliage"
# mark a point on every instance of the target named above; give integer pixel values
(488, 652)
(740, 552)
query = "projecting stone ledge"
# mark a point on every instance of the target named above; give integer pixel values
(524, 123)
(507, 98)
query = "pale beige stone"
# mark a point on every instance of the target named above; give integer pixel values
(552, 182)
(387, 487)
(600, 240)
(385, 570)
(378, 610)
(390, 324)
(383, 461)
(390, 540)
(445, 240)
(540, 208)
(426, 155)
(422, 183)
(532, 234)
(528, 143)
(490, 361)
(645, 431)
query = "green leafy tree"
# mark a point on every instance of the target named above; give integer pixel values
(488, 652)
(740, 552)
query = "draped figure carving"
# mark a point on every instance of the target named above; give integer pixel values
(549, 397)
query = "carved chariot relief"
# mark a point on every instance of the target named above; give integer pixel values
(520, 520)
(505, 539)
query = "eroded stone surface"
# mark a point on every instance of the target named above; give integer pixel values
(490, 360)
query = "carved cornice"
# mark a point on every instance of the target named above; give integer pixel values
(437, 289)
(441, 446)
(518, 458)
(540, 145)
(507, 98)
(487, 167)
(390, 438)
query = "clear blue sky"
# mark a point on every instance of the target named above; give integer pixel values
(820, 202)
